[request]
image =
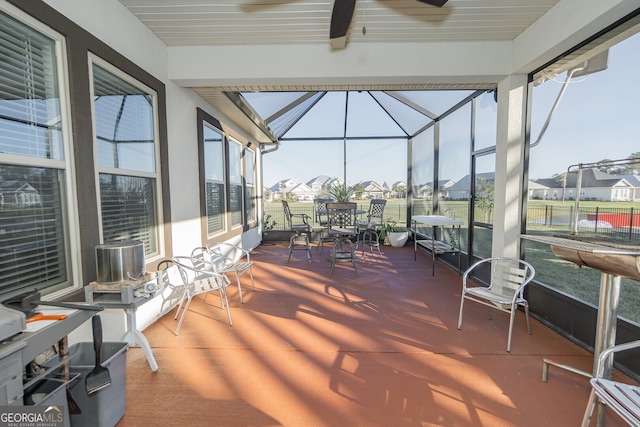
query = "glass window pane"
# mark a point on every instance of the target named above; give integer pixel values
(235, 182)
(486, 121)
(484, 190)
(250, 179)
(125, 140)
(596, 121)
(33, 223)
(422, 167)
(124, 119)
(454, 162)
(128, 210)
(32, 252)
(30, 102)
(214, 179)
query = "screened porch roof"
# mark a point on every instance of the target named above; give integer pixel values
(355, 114)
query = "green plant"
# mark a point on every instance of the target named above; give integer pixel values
(341, 193)
(391, 227)
(269, 222)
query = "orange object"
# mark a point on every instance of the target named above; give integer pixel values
(41, 316)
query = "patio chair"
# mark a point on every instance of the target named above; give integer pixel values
(343, 227)
(199, 277)
(320, 206)
(237, 261)
(508, 279)
(343, 251)
(367, 229)
(341, 219)
(169, 282)
(299, 224)
(621, 398)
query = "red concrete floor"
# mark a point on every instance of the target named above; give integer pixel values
(374, 348)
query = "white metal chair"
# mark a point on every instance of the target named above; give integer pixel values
(505, 292)
(169, 282)
(622, 398)
(234, 260)
(199, 277)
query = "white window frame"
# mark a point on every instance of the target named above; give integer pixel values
(156, 175)
(225, 189)
(70, 217)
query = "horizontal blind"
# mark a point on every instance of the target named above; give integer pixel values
(29, 107)
(215, 207)
(32, 253)
(32, 227)
(127, 206)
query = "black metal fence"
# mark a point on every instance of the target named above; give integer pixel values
(618, 223)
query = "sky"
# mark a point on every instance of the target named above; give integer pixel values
(597, 118)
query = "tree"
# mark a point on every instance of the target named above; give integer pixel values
(358, 190)
(485, 195)
(399, 191)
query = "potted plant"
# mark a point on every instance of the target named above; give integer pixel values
(393, 234)
(341, 193)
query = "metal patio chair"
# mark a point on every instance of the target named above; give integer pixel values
(199, 277)
(367, 228)
(508, 279)
(299, 224)
(236, 260)
(320, 207)
(621, 398)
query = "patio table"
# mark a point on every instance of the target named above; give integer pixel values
(436, 247)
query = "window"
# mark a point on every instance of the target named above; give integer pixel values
(235, 182)
(596, 122)
(125, 141)
(250, 187)
(35, 177)
(422, 173)
(214, 180)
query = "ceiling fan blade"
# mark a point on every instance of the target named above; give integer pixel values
(340, 21)
(437, 3)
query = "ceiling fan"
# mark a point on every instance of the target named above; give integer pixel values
(342, 14)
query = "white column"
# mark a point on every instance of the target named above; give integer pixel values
(512, 103)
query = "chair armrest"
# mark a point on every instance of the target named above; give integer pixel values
(609, 351)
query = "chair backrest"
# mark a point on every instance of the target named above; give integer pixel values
(199, 279)
(341, 215)
(287, 213)
(376, 210)
(168, 275)
(199, 258)
(231, 252)
(320, 206)
(510, 275)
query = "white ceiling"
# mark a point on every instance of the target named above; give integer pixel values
(269, 22)
(265, 27)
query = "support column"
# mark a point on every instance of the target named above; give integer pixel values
(512, 103)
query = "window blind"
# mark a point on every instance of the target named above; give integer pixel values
(32, 227)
